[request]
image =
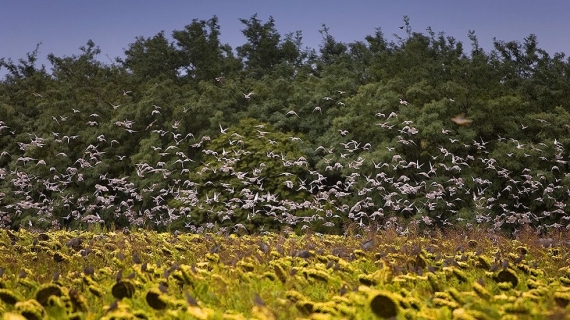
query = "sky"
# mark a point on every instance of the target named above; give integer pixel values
(62, 26)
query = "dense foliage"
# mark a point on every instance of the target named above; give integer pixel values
(189, 133)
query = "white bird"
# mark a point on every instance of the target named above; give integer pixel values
(404, 102)
(150, 125)
(222, 130)
(248, 95)
(292, 113)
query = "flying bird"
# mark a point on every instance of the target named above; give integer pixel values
(290, 113)
(461, 120)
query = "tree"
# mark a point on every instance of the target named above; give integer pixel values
(26, 68)
(264, 49)
(331, 50)
(203, 56)
(261, 52)
(153, 57)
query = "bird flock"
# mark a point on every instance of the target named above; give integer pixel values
(467, 186)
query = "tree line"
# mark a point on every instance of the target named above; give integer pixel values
(342, 113)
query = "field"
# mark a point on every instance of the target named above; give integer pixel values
(140, 274)
(401, 177)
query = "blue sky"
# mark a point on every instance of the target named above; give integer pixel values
(64, 26)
